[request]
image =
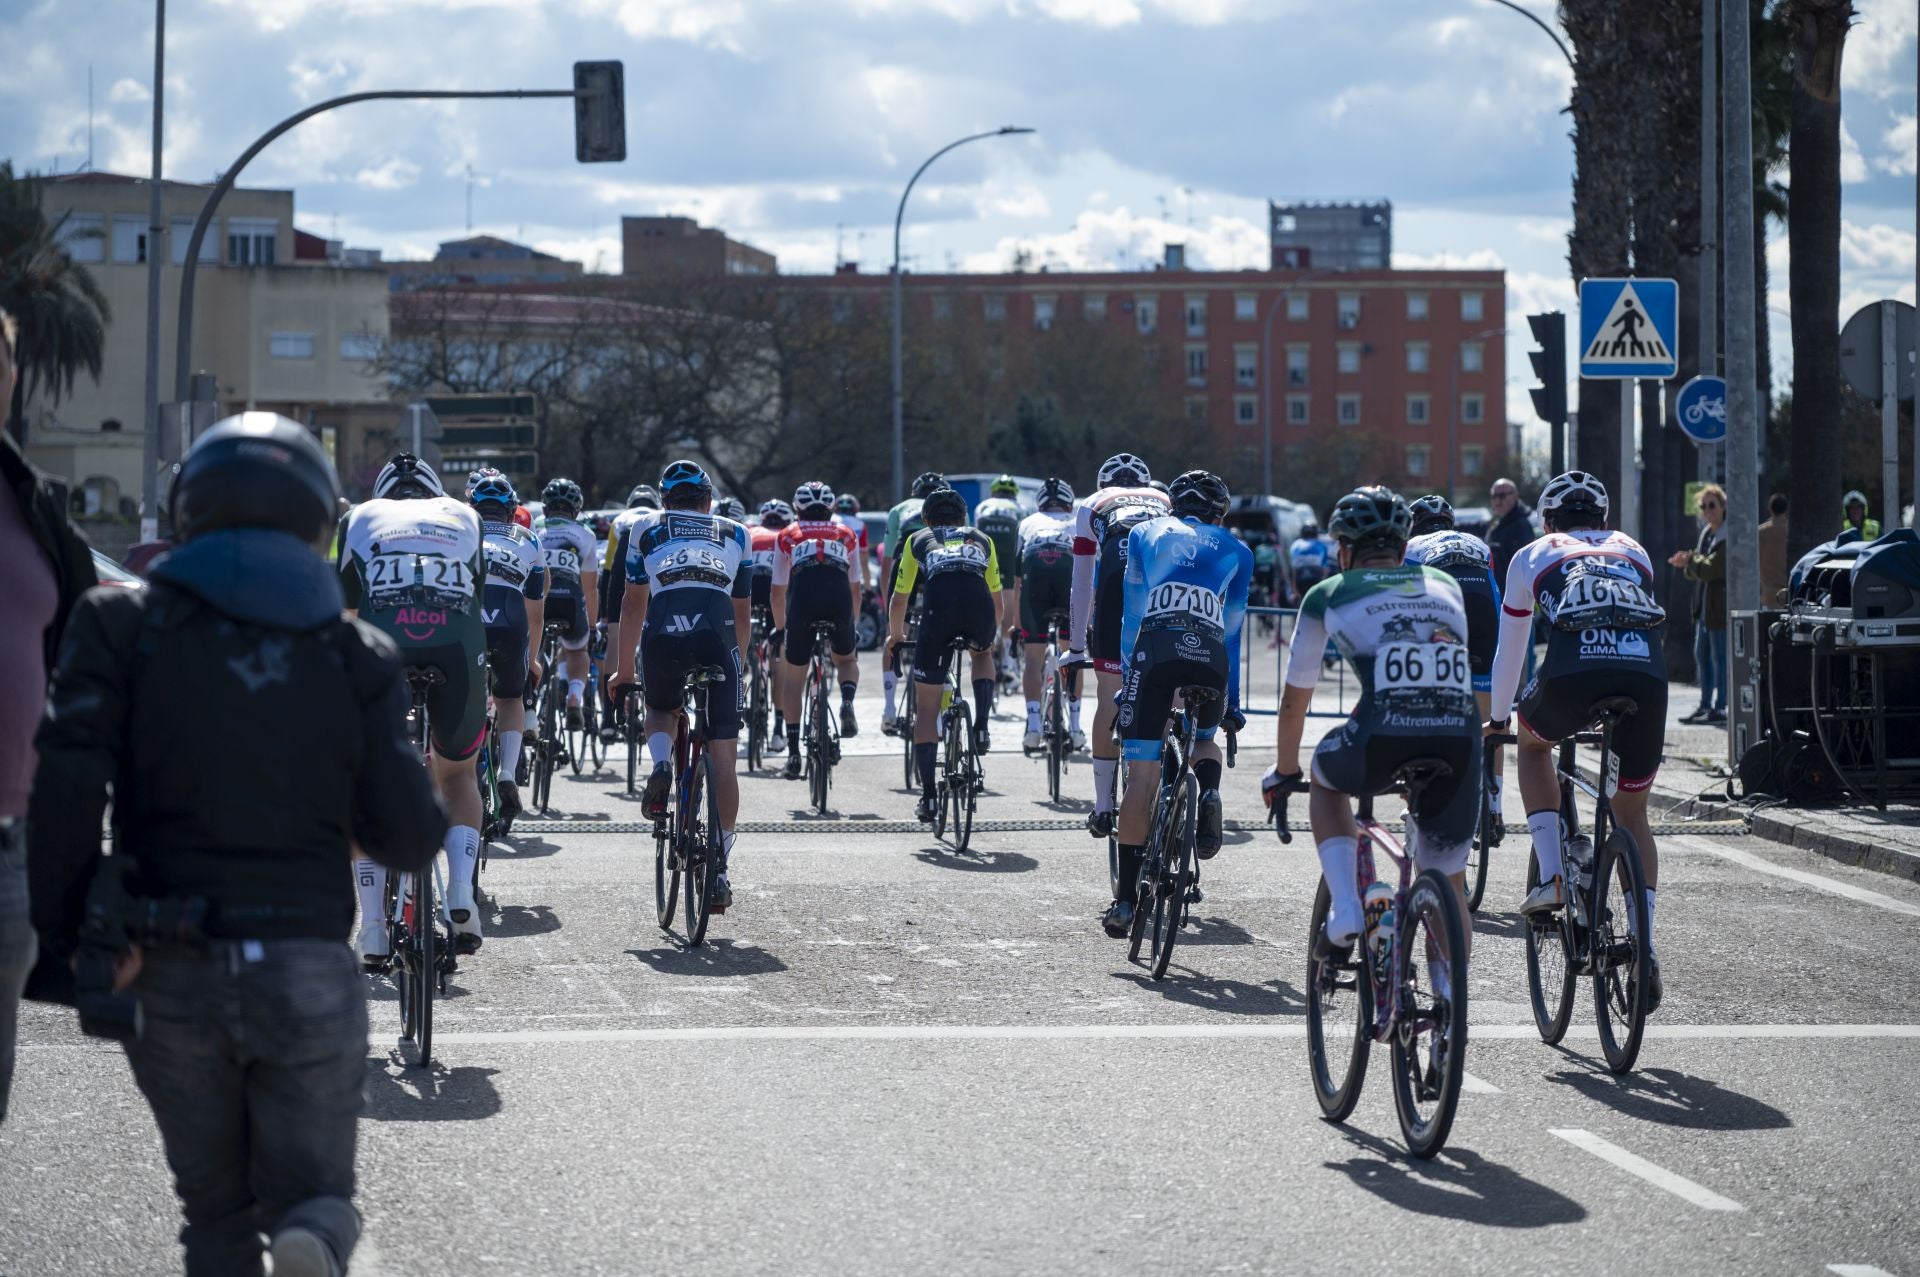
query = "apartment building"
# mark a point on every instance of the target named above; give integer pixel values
(667, 245)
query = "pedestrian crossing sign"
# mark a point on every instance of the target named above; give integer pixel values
(1629, 328)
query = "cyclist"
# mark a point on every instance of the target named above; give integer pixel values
(846, 513)
(999, 517)
(1404, 628)
(689, 582)
(1312, 558)
(643, 507)
(413, 567)
(731, 508)
(1186, 588)
(963, 600)
(902, 522)
(813, 581)
(512, 608)
(1594, 589)
(1043, 588)
(761, 546)
(572, 582)
(1468, 560)
(1101, 523)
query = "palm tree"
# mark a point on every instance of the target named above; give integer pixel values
(62, 313)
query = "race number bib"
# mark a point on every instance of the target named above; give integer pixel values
(564, 558)
(951, 556)
(1425, 667)
(1595, 597)
(821, 551)
(1176, 600)
(504, 565)
(691, 562)
(395, 577)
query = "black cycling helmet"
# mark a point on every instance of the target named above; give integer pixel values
(1431, 513)
(944, 508)
(645, 496)
(684, 485)
(928, 483)
(1158, 486)
(564, 493)
(1310, 530)
(1368, 516)
(406, 475)
(1056, 493)
(256, 470)
(1199, 494)
(731, 508)
(846, 503)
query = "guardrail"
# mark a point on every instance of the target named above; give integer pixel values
(1251, 636)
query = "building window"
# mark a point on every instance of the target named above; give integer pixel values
(359, 346)
(943, 306)
(290, 345)
(180, 230)
(1297, 310)
(1246, 409)
(1471, 308)
(1473, 409)
(1197, 410)
(1349, 310)
(841, 308)
(1419, 460)
(1246, 365)
(1043, 313)
(995, 307)
(1349, 409)
(83, 237)
(1473, 356)
(1472, 460)
(1196, 315)
(1346, 356)
(1419, 410)
(1196, 365)
(251, 241)
(995, 358)
(1246, 307)
(1095, 306)
(1416, 306)
(1417, 356)
(1367, 253)
(1296, 365)
(129, 239)
(1146, 313)
(1299, 408)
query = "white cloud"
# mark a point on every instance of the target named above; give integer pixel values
(1099, 13)
(1899, 141)
(393, 175)
(1879, 57)
(128, 89)
(1853, 165)
(717, 23)
(1118, 239)
(1876, 250)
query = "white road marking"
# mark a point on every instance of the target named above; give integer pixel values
(1471, 1085)
(1660, 1177)
(1833, 886)
(1858, 1270)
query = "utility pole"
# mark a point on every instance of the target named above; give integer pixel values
(1743, 410)
(1709, 201)
(150, 446)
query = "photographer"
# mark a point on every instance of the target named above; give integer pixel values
(249, 735)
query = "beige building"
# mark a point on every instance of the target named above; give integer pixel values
(278, 329)
(680, 245)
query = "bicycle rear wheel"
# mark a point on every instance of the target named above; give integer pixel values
(1430, 1042)
(544, 748)
(1176, 865)
(904, 722)
(631, 710)
(1483, 842)
(576, 747)
(1550, 975)
(425, 974)
(756, 711)
(1621, 953)
(819, 738)
(956, 780)
(702, 848)
(1339, 1020)
(590, 714)
(666, 872)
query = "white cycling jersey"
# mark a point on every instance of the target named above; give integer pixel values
(569, 549)
(409, 552)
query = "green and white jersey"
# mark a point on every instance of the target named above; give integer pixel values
(1404, 631)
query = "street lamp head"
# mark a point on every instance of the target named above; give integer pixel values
(1008, 129)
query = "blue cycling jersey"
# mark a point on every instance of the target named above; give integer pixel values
(1188, 575)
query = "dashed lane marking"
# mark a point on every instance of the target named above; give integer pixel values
(1858, 1270)
(841, 826)
(1659, 1176)
(1833, 886)
(1471, 1085)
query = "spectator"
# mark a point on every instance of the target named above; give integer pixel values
(1773, 553)
(1706, 566)
(1512, 526)
(48, 567)
(1856, 526)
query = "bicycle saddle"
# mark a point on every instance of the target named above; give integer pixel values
(422, 677)
(1416, 774)
(1197, 696)
(705, 674)
(1611, 709)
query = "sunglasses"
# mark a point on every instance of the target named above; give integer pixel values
(1709, 505)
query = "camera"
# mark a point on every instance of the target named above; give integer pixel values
(117, 920)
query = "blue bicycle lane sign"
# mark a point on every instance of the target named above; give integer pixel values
(1700, 409)
(1629, 328)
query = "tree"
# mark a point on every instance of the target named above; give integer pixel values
(62, 313)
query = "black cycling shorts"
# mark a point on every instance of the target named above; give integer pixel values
(705, 638)
(762, 582)
(1354, 759)
(507, 654)
(1045, 590)
(569, 612)
(956, 607)
(1164, 661)
(819, 594)
(1483, 635)
(1556, 708)
(1103, 632)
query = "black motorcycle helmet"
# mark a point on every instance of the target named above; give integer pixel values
(256, 470)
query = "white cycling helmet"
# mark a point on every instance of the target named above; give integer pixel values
(407, 470)
(1576, 489)
(1124, 467)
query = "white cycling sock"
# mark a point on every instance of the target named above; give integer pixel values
(1103, 770)
(1493, 799)
(1073, 714)
(1649, 919)
(1339, 863)
(659, 747)
(370, 880)
(509, 753)
(888, 682)
(1545, 827)
(726, 843)
(462, 845)
(576, 688)
(1033, 716)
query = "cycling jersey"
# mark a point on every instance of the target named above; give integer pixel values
(516, 572)
(814, 561)
(1101, 523)
(568, 548)
(856, 525)
(1000, 518)
(1312, 555)
(760, 552)
(1466, 559)
(959, 572)
(808, 545)
(1043, 564)
(902, 522)
(695, 564)
(686, 550)
(613, 561)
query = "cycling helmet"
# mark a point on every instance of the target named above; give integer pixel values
(846, 503)
(644, 495)
(686, 484)
(775, 514)
(1056, 492)
(406, 475)
(256, 470)
(1005, 486)
(731, 508)
(811, 494)
(476, 477)
(1370, 514)
(494, 488)
(564, 493)
(1200, 494)
(1431, 513)
(928, 483)
(1855, 497)
(1310, 530)
(944, 508)
(1158, 486)
(1124, 468)
(1574, 490)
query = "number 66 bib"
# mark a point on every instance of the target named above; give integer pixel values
(1422, 667)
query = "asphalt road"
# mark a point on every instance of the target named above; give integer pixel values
(894, 1058)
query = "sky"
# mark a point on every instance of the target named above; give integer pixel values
(794, 124)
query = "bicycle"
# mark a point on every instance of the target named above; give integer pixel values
(758, 696)
(903, 661)
(1057, 742)
(1170, 865)
(420, 936)
(1594, 934)
(1490, 832)
(549, 744)
(961, 779)
(631, 709)
(583, 742)
(1425, 1022)
(686, 840)
(822, 726)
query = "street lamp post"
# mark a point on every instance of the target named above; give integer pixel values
(1267, 373)
(899, 428)
(1453, 404)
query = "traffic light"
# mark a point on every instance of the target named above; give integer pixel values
(1550, 366)
(599, 112)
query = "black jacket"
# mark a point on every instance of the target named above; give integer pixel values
(248, 732)
(1512, 533)
(65, 550)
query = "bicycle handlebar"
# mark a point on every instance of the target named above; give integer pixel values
(1277, 797)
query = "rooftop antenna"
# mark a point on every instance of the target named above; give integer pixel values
(1163, 206)
(839, 241)
(89, 117)
(469, 199)
(1187, 193)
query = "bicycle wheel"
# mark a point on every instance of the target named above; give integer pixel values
(1339, 1020)
(424, 974)
(703, 848)
(487, 773)
(399, 964)
(576, 751)
(666, 872)
(957, 779)
(969, 795)
(1483, 840)
(1430, 1044)
(820, 741)
(1621, 960)
(1550, 976)
(904, 721)
(631, 711)
(596, 751)
(543, 750)
(1176, 864)
(756, 712)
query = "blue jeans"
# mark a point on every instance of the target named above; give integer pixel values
(1710, 655)
(254, 1060)
(17, 946)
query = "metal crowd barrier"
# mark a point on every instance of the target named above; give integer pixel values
(1253, 636)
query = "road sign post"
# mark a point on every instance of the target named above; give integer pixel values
(1876, 358)
(1629, 329)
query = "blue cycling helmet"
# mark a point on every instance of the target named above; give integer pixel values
(685, 484)
(492, 486)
